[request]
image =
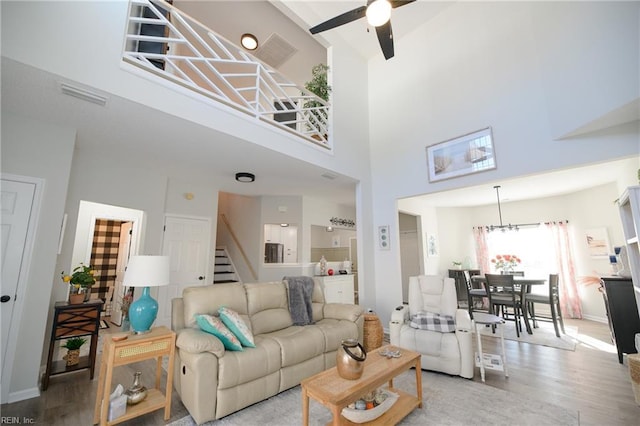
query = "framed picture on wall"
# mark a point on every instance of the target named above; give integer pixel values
(598, 242)
(467, 154)
(432, 246)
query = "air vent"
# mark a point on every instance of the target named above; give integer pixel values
(84, 94)
(329, 176)
(275, 51)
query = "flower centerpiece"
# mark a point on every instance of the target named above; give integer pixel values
(80, 282)
(505, 262)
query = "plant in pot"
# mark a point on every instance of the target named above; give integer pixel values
(73, 346)
(319, 86)
(80, 281)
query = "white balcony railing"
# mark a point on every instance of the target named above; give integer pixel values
(169, 43)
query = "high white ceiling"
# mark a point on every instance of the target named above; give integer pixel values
(119, 125)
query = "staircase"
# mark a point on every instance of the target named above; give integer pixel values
(224, 271)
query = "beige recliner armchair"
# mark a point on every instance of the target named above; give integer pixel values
(433, 325)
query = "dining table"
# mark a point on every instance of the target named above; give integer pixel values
(522, 281)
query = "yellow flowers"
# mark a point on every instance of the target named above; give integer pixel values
(66, 278)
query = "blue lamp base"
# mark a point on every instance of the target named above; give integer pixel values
(143, 312)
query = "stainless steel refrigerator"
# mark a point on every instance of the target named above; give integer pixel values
(273, 253)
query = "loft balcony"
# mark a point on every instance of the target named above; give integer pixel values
(165, 42)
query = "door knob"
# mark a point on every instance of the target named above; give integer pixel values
(201, 278)
(5, 298)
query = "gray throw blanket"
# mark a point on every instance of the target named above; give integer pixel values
(300, 291)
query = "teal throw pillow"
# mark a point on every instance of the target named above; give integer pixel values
(213, 325)
(236, 324)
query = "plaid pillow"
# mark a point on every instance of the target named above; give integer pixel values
(433, 322)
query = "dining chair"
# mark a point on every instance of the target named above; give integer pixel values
(474, 294)
(506, 294)
(553, 300)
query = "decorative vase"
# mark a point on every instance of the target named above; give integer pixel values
(323, 266)
(350, 359)
(75, 297)
(72, 357)
(136, 393)
(86, 293)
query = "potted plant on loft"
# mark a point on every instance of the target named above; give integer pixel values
(73, 346)
(319, 86)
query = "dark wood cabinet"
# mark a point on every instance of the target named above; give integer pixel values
(622, 313)
(461, 285)
(73, 321)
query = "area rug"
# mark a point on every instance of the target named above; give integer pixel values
(447, 401)
(544, 335)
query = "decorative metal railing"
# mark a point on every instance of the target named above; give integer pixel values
(169, 43)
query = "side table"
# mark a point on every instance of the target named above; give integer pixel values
(159, 342)
(73, 320)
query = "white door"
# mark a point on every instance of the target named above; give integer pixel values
(126, 230)
(186, 242)
(16, 204)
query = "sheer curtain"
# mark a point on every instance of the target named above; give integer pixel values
(482, 249)
(569, 298)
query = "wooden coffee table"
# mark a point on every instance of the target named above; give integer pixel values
(335, 393)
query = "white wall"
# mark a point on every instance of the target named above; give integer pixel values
(497, 64)
(41, 150)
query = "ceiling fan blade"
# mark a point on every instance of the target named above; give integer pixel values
(385, 37)
(345, 18)
(398, 3)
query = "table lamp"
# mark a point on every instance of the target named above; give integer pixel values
(145, 271)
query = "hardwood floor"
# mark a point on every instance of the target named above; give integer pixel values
(588, 380)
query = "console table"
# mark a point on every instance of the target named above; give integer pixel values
(75, 320)
(622, 313)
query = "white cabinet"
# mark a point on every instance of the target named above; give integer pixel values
(338, 288)
(629, 203)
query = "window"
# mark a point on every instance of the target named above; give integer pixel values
(532, 245)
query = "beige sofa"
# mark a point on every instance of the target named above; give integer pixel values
(214, 382)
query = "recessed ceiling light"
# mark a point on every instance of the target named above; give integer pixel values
(249, 41)
(245, 177)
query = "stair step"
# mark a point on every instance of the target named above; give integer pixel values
(224, 281)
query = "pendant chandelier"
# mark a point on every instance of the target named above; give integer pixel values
(502, 227)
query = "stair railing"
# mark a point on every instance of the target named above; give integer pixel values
(239, 245)
(170, 44)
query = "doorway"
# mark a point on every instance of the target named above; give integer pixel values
(20, 210)
(410, 250)
(106, 236)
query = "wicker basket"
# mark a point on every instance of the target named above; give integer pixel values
(634, 371)
(373, 333)
(72, 357)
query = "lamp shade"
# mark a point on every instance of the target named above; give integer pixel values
(147, 271)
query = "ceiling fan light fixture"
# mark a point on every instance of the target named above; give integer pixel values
(249, 41)
(378, 13)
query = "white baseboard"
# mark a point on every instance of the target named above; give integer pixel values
(596, 319)
(23, 394)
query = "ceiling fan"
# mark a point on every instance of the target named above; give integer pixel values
(378, 13)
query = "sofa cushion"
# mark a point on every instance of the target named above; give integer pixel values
(208, 299)
(434, 322)
(236, 368)
(298, 343)
(238, 327)
(335, 331)
(268, 307)
(213, 325)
